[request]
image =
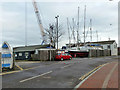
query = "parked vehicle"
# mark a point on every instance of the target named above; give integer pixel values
(63, 56)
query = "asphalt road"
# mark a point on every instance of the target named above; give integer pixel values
(52, 74)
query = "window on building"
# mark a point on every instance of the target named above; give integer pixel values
(36, 51)
(15, 55)
(20, 54)
(115, 46)
(26, 54)
(108, 46)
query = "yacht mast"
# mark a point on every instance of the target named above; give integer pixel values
(91, 30)
(68, 32)
(73, 30)
(78, 30)
(84, 22)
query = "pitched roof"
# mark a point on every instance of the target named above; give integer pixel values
(99, 42)
(29, 48)
(104, 42)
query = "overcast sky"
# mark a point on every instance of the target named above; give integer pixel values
(102, 12)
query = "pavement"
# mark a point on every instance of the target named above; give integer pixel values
(53, 74)
(105, 77)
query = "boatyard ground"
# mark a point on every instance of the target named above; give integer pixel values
(53, 74)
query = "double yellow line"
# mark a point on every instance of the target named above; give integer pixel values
(12, 71)
(87, 74)
(19, 67)
(9, 72)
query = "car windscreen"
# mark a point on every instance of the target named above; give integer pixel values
(58, 54)
(63, 54)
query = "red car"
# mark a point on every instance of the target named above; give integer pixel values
(63, 56)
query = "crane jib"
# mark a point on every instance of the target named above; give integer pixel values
(39, 21)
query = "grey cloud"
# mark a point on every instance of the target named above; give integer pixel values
(102, 14)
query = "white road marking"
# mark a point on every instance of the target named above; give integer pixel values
(36, 76)
(70, 83)
(47, 77)
(66, 66)
(85, 58)
(108, 58)
(90, 58)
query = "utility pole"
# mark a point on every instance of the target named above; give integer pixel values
(57, 29)
(25, 23)
(110, 28)
(51, 28)
(97, 35)
(50, 51)
(84, 22)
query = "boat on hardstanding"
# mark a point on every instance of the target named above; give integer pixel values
(7, 56)
(80, 49)
(83, 51)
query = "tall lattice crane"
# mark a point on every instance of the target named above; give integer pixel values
(39, 22)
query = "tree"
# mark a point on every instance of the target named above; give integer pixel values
(51, 34)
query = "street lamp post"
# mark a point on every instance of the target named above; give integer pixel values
(50, 51)
(109, 29)
(57, 29)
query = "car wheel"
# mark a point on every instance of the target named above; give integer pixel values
(61, 59)
(70, 58)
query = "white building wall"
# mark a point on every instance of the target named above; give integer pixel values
(114, 50)
(105, 46)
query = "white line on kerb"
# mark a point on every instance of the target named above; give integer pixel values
(36, 76)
